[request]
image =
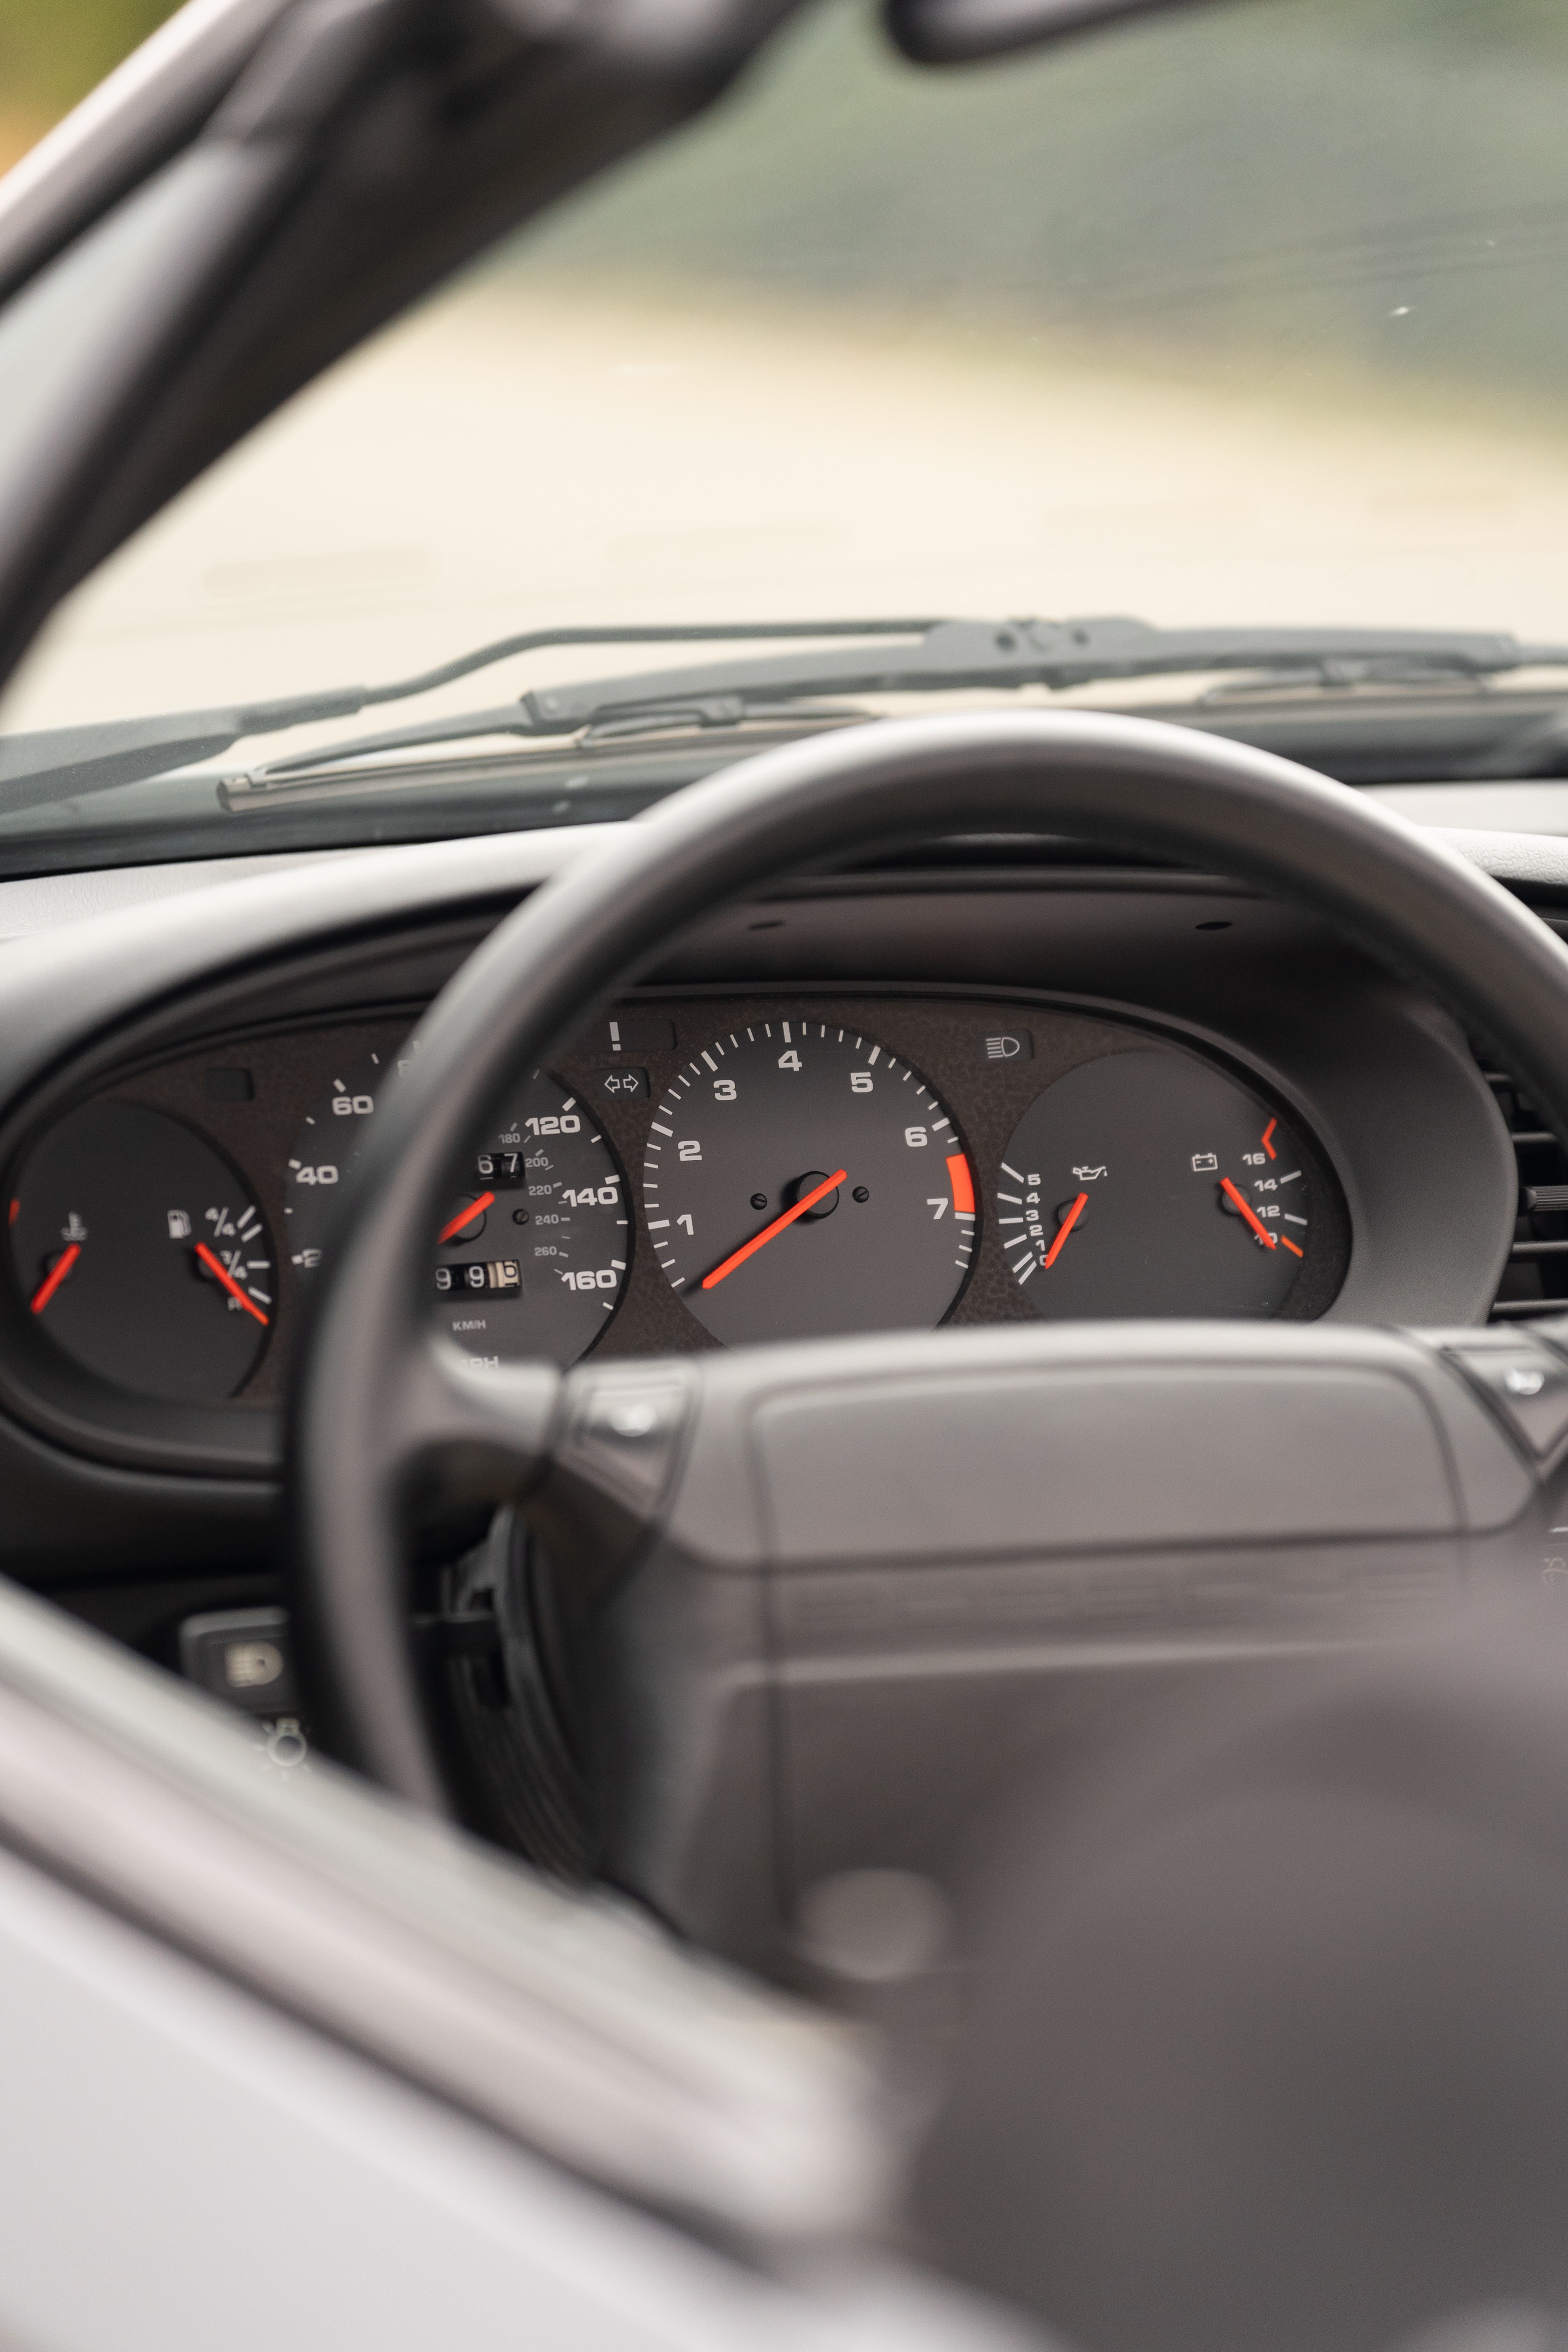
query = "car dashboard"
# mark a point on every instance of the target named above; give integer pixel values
(981, 1086)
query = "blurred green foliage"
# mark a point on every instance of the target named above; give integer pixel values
(53, 51)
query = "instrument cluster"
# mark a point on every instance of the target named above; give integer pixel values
(703, 1170)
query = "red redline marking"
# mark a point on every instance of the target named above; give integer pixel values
(465, 1217)
(1268, 1240)
(1068, 1222)
(53, 1278)
(962, 1183)
(16, 1210)
(217, 1267)
(1267, 1133)
(1291, 1246)
(750, 1249)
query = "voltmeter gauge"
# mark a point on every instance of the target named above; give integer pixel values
(1150, 1182)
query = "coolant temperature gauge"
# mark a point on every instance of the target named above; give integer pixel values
(1149, 1182)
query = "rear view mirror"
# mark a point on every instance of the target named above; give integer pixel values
(955, 31)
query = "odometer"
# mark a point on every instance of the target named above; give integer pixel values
(800, 1180)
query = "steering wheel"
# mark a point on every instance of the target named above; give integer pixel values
(743, 1526)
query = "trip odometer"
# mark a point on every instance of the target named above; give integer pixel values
(801, 1180)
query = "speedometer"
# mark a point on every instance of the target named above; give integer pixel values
(532, 1257)
(531, 1254)
(334, 1132)
(800, 1180)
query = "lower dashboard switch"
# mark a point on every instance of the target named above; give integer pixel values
(244, 1656)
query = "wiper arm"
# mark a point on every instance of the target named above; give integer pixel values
(941, 654)
(58, 763)
(948, 656)
(1054, 654)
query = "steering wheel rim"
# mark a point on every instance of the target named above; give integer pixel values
(371, 1405)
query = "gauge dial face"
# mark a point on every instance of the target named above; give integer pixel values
(1150, 1184)
(141, 1254)
(531, 1256)
(802, 1181)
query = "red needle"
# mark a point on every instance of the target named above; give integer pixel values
(465, 1217)
(217, 1267)
(1259, 1228)
(749, 1249)
(1065, 1228)
(53, 1278)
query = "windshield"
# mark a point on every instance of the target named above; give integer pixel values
(1237, 320)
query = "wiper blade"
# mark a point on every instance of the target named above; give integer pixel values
(939, 656)
(56, 763)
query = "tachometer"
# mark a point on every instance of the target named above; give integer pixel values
(1150, 1183)
(800, 1180)
(141, 1254)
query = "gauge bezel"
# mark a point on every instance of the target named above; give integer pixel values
(922, 1021)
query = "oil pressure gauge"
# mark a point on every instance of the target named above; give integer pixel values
(1149, 1182)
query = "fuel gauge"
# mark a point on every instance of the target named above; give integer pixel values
(141, 1254)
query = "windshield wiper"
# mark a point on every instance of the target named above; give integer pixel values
(58, 763)
(939, 655)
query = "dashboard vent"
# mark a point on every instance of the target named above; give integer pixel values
(1535, 1281)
